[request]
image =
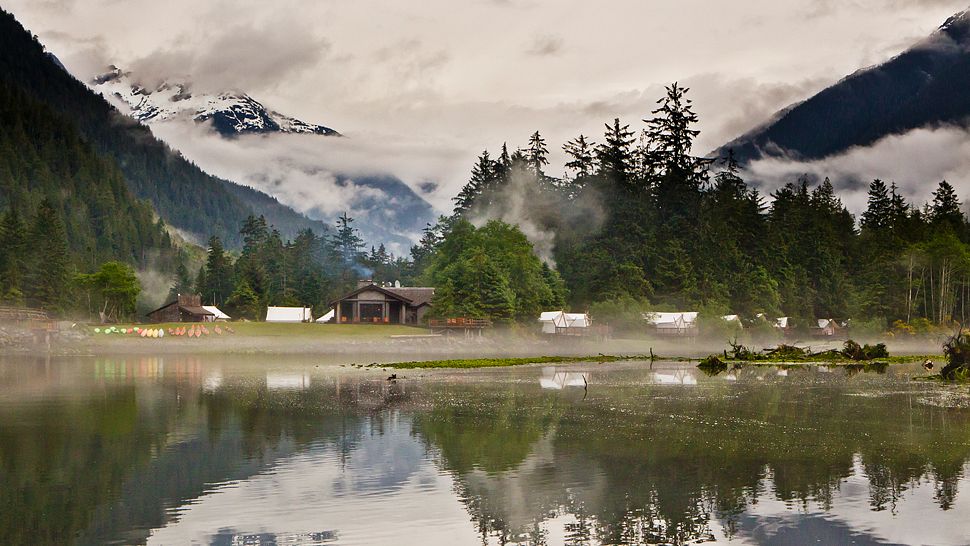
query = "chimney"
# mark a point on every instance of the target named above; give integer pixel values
(364, 282)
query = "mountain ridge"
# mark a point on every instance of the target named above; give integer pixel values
(229, 112)
(920, 87)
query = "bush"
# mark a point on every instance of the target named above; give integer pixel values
(624, 314)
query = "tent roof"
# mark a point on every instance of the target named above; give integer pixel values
(216, 311)
(659, 318)
(576, 320)
(327, 317)
(565, 320)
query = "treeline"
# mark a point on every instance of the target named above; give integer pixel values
(308, 270)
(641, 222)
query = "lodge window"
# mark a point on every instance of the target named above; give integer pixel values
(372, 312)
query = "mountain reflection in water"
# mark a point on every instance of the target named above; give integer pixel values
(180, 450)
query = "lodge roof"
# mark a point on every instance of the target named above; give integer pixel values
(191, 309)
(415, 296)
(418, 295)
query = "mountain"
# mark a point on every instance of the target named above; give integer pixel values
(188, 199)
(923, 86)
(230, 113)
(295, 170)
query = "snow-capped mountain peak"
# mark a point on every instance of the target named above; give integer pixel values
(230, 113)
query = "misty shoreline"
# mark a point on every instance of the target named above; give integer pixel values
(366, 349)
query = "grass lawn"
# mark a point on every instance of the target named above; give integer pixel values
(265, 329)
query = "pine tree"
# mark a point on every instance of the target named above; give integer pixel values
(182, 283)
(878, 214)
(945, 209)
(13, 244)
(679, 175)
(537, 154)
(218, 274)
(580, 150)
(482, 183)
(613, 156)
(46, 278)
(503, 165)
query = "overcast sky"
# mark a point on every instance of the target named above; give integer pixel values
(443, 79)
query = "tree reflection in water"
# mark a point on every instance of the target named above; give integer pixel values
(133, 446)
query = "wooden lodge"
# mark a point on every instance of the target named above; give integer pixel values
(374, 304)
(185, 308)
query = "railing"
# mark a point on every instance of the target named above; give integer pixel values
(21, 314)
(460, 323)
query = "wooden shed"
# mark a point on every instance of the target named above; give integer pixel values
(185, 308)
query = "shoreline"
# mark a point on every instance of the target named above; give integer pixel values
(401, 344)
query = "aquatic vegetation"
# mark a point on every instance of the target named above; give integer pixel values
(790, 353)
(712, 366)
(957, 353)
(854, 351)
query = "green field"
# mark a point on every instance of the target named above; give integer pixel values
(265, 329)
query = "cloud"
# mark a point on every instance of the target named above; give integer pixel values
(246, 57)
(544, 46)
(301, 171)
(916, 161)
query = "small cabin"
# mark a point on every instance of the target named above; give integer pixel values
(185, 308)
(371, 303)
(826, 328)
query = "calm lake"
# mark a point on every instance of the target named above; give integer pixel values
(257, 451)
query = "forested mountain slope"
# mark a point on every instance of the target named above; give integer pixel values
(184, 196)
(924, 86)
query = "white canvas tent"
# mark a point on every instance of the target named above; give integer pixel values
(217, 314)
(289, 314)
(552, 320)
(327, 317)
(673, 324)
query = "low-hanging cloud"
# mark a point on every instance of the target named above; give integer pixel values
(916, 161)
(301, 170)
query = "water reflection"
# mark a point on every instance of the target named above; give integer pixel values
(556, 379)
(180, 450)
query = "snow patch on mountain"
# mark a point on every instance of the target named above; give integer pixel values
(229, 113)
